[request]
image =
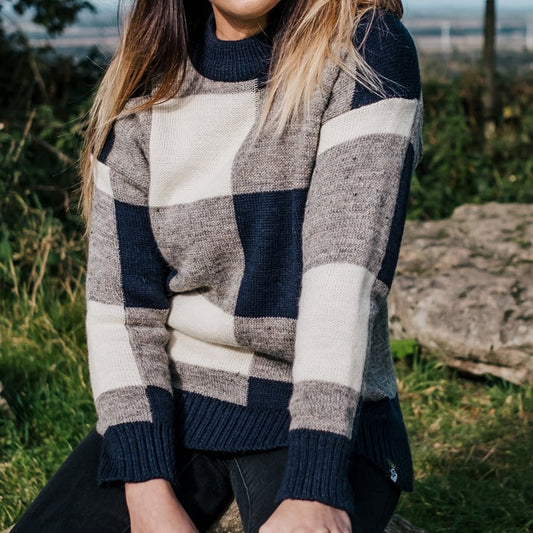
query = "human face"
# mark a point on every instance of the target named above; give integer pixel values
(238, 19)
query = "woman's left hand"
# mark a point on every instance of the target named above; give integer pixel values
(306, 516)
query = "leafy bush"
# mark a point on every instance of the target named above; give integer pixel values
(43, 101)
(43, 110)
(463, 163)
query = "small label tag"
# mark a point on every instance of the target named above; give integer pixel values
(393, 473)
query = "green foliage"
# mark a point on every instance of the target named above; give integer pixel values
(471, 440)
(464, 164)
(44, 372)
(53, 15)
(471, 443)
(36, 245)
(41, 122)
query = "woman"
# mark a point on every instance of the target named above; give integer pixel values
(246, 213)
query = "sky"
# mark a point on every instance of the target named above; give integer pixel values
(467, 3)
(425, 4)
(452, 8)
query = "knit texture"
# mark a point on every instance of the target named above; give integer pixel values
(237, 284)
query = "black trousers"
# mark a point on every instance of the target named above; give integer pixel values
(71, 502)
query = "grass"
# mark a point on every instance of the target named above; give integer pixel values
(44, 373)
(472, 444)
(471, 440)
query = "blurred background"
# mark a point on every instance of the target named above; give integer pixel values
(461, 305)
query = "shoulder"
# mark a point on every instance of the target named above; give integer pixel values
(388, 48)
(129, 137)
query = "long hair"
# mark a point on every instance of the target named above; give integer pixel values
(152, 53)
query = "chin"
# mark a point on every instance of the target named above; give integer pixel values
(245, 9)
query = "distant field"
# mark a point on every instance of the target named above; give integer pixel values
(431, 33)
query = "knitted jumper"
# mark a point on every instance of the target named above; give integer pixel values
(237, 284)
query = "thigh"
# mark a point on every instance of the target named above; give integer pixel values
(256, 478)
(71, 500)
(375, 496)
(203, 486)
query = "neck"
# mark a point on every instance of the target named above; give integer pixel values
(229, 28)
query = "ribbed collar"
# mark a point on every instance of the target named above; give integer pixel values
(220, 60)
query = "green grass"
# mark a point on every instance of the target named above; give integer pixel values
(472, 441)
(472, 444)
(44, 373)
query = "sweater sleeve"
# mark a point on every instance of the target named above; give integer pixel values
(127, 308)
(353, 224)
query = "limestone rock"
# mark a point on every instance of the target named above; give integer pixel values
(464, 289)
(401, 525)
(231, 523)
(5, 410)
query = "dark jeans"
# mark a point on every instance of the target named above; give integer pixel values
(71, 502)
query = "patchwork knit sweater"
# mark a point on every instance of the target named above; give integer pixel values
(237, 284)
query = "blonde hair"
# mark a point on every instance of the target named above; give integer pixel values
(153, 53)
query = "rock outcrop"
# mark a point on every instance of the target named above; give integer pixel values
(5, 410)
(231, 523)
(464, 289)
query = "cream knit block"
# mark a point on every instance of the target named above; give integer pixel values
(332, 327)
(183, 348)
(102, 178)
(194, 315)
(193, 143)
(393, 116)
(111, 361)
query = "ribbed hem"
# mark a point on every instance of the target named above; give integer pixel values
(205, 423)
(317, 469)
(136, 451)
(381, 437)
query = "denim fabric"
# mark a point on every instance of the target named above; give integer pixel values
(207, 483)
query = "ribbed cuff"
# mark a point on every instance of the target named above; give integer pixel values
(137, 451)
(317, 469)
(381, 437)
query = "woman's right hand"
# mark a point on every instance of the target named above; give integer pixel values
(154, 508)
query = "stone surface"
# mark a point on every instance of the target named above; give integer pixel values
(5, 410)
(231, 523)
(464, 289)
(401, 525)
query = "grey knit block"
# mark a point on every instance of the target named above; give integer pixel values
(351, 202)
(323, 406)
(118, 406)
(271, 335)
(103, 264)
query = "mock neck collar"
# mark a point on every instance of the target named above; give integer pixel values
(240, 60)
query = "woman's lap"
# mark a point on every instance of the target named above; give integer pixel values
(207, 482)
(71, 500)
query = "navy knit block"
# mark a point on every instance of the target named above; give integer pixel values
(390, 260)
(108, 146)
(390, 51)
(241, 60)
(268, 393)
(161, 404)
(139, 451)
(317, 469)
(270, 228)
(205, 423)
(144, 271)
(381, 437)
(136, 451)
